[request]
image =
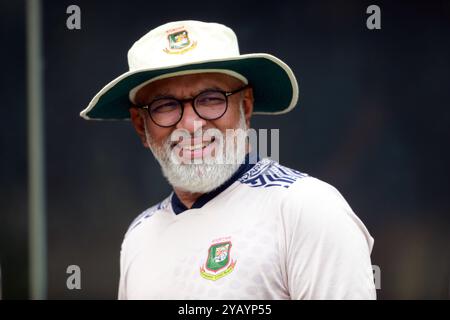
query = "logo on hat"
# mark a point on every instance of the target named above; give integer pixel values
(219, 263)
(179, 41)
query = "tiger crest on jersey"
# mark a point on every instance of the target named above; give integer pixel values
(218, 262)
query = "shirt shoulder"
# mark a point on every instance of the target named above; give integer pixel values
(270, 174)
(304, 201)
(145, 215)
(317, 206)
(322, 229)
(293, 189)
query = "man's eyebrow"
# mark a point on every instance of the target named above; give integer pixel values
(162, 95)
(168, 95)
(214, 88)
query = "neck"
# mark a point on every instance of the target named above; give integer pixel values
(186, 197)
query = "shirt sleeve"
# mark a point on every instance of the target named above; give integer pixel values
(327, 247)
(122, 282)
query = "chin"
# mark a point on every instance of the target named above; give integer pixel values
(198, 178)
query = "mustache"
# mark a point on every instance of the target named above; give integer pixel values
(183, 137)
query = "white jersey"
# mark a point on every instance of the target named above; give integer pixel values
(273, 233)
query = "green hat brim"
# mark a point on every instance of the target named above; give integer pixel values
(274, 85)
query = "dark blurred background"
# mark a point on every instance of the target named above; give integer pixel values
(373, 120)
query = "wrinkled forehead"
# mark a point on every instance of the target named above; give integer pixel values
(187, 85)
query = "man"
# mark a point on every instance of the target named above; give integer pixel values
(235, 226)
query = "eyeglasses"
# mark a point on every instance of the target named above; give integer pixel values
(208, 105)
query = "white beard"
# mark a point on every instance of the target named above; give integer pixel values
(202, 177)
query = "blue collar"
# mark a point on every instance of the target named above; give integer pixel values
(178, 207)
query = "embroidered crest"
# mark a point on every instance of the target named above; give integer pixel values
(179, 41)
(218, 263)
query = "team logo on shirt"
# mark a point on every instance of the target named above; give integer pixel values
(218, 263)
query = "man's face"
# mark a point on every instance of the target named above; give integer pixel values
(161, 139)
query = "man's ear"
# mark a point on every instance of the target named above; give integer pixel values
(138, 122)
(247, 104)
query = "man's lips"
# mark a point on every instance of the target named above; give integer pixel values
(193, 144)
(195, 150)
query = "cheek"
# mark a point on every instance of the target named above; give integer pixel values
(158, 134)
(229, 120)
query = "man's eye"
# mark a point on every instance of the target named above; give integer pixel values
(164, 107)
(210, 100)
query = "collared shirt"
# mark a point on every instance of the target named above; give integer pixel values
(269, 232)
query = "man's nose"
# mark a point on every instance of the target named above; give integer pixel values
(190, 120)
